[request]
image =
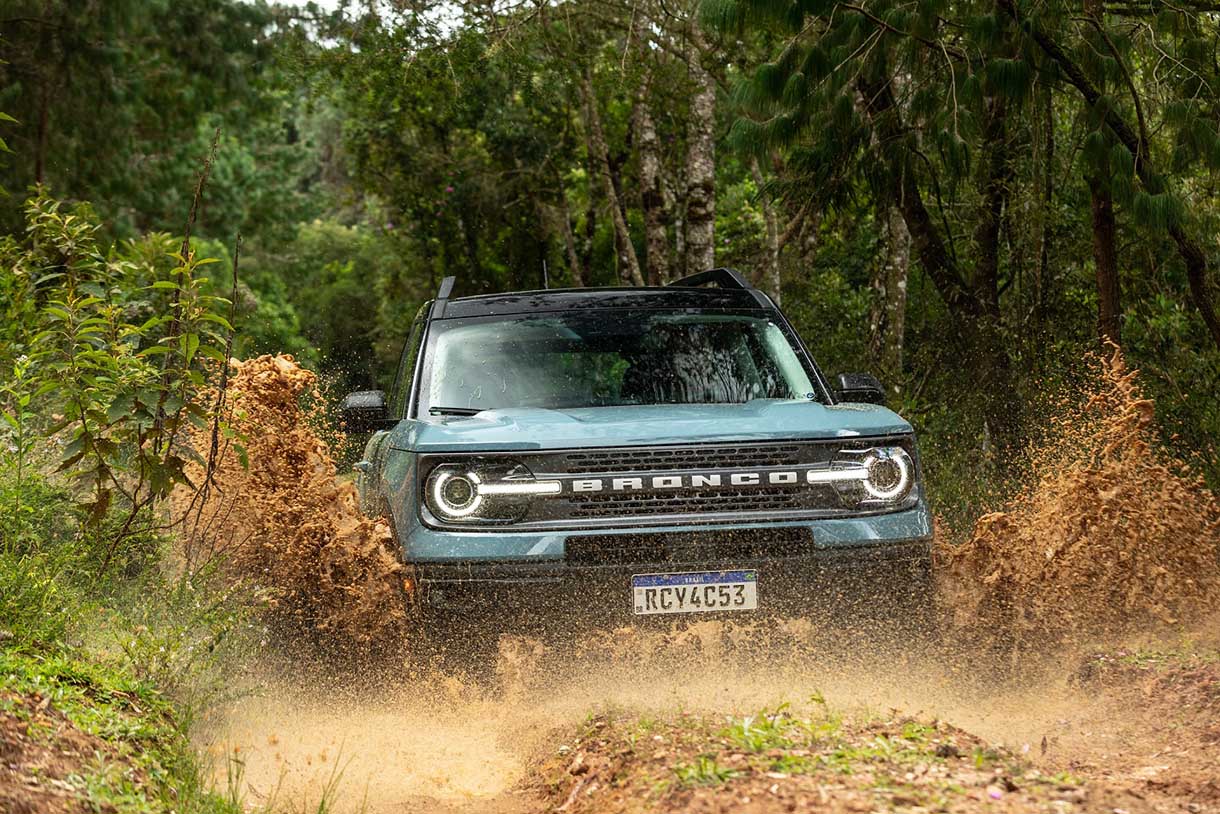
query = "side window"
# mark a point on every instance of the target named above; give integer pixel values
(406, 365)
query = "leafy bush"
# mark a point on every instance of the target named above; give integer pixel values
(36, 534)
(110, 347)
(35, 609)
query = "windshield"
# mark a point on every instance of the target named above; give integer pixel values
(608, 358)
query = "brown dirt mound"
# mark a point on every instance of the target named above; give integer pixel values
(1165, 708)
(1114, 535)
(779, 762)
(284, 524)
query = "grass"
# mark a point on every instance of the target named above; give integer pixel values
(1169, 658)
(149, 766)
(778, 729)
(704, 771)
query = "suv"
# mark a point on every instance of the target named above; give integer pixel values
(642, 451)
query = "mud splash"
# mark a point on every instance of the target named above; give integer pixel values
(1113, 535)
(275, 517)
(440, 744)
(1090, 548)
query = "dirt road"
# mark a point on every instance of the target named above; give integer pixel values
(686, 726)
(1019, 713)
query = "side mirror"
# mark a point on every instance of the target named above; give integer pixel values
(859, 387)
(365, 411)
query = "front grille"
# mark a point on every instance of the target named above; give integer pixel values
(688, 547)
(667, 503)
(606, 505)
(675, 458)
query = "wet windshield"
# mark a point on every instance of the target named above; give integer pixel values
(608, 358)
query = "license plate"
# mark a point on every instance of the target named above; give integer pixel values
(694, 592)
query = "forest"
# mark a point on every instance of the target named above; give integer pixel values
(962, 197)
(975, 200)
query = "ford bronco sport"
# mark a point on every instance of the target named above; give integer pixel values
(648, 451)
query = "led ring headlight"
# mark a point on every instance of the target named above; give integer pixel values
(456, 495)
(888, 474)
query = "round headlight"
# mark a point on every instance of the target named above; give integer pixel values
(889, 474)
(456, 494)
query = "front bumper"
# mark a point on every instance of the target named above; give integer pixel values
(821, 562)
(427, 547)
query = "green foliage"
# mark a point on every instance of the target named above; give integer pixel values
(352, 293)
(4, 148)
(37, 531)
(1170, 349)
(35, 609)
(115, 385)
(704, 771)
(110, 97)
(184, 635)
(829, 303)
(777, 729)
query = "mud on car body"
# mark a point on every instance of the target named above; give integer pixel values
(641, 451)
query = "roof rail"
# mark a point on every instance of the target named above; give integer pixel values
(442, 297)
(722, 277)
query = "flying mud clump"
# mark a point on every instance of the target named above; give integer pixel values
(275, 516)
(1112, 536)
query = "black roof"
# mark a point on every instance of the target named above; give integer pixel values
(572, 299)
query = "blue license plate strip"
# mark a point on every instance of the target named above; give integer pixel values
(692, 578)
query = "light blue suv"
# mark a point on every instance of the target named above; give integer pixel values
(637, 452)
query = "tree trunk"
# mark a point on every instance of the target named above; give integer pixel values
(769, 276)
(1047, 197)
(1001, 407)
(679, 211)
(700, 161)
(994, 179)
(44, 130)
(809, 233)
(974, 305)
(1196, 275)
(656, 217)
(1105, 261)
(629, 264)
(888, 318)
(576, 269)
(1105, 257)
(588, 238)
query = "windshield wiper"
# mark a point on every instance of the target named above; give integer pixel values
(457, 410)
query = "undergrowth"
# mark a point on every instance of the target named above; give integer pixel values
(151, 765)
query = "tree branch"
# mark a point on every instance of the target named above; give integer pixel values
(935, 45)
(1190, 252)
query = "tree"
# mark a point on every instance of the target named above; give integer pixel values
(934, 107)
(109, 97)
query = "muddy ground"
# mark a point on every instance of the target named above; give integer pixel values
(692, 728)
(1074, 666)
(1043, 686)
(1043, 690)
(680, 721)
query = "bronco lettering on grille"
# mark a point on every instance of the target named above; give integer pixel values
(700, 480)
